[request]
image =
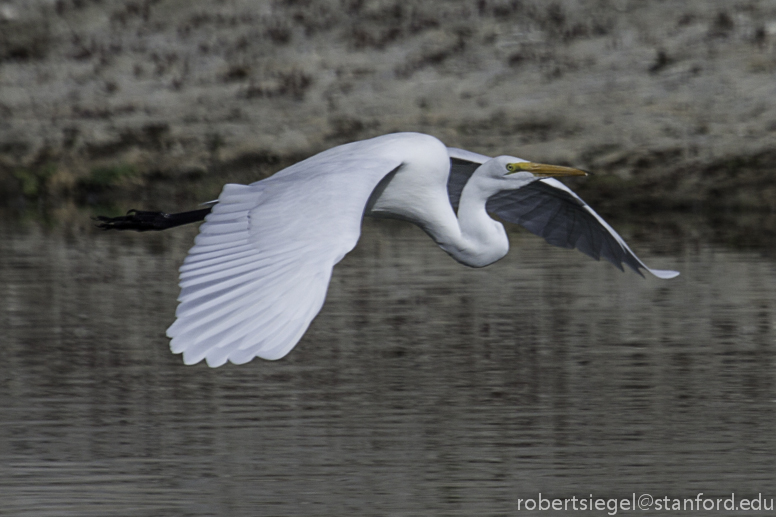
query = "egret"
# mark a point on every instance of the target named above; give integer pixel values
(261, 264)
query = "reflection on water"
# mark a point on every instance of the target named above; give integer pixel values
(423, 388)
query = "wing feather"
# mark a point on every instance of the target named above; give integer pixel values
(551, 210)
(237, 299)
(217, 250)
(260, 267)
(207, 266)
(193, 304)
(219, 227)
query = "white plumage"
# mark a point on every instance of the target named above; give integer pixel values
(261, 264)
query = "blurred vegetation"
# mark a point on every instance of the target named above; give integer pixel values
(33, 182)
(101, 178)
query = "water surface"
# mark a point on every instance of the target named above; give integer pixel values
(423, 388)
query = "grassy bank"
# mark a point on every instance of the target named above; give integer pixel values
(672, 105)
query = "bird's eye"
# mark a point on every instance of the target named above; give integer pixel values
(511, 167)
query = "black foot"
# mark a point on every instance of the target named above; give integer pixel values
(145, 221)
(135, 220)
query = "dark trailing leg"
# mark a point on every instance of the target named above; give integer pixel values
(145, 221)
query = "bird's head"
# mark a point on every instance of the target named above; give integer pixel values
(514, 172)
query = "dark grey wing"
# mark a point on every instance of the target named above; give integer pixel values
(460, 172)
(550, 210)
(463, 163)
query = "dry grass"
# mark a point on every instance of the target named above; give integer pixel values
(180, 86)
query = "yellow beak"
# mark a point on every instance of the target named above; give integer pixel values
(543, 170)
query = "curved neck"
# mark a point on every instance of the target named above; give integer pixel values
(480, 240)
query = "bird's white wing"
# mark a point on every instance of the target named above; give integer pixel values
(260, 267)
(467, 156)
(550, 210)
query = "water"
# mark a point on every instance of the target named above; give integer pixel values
(423, 388)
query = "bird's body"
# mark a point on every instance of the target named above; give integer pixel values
(260, 267)
(417, 192)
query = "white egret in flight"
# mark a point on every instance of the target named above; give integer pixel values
(260, 266)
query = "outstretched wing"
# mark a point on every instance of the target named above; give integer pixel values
(551, 210)
(260, 267)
